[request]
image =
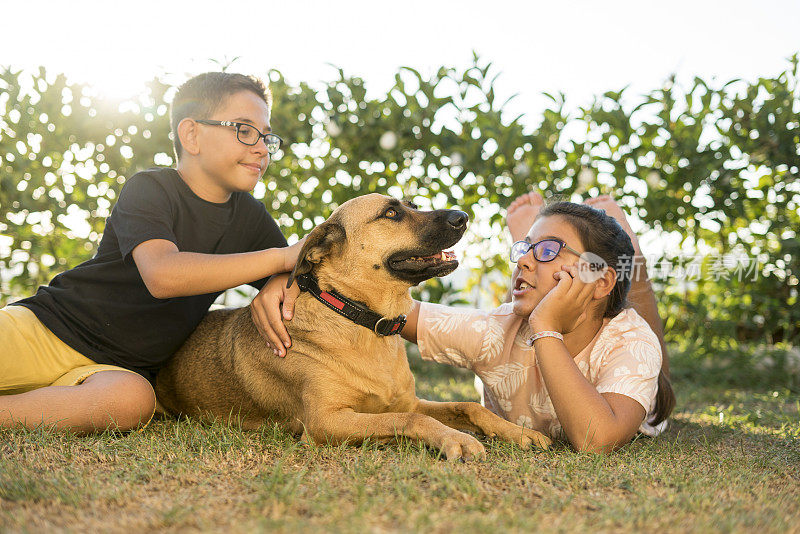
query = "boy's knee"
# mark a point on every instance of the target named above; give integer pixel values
(126, 399)
(142, 400)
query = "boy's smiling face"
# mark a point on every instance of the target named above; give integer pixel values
(224, 160)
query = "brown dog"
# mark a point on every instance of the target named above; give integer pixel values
(340, 382)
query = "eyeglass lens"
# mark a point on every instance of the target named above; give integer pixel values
(249, 136)
(546, 250)
(543, 251)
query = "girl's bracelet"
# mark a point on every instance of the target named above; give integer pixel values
(544, 333)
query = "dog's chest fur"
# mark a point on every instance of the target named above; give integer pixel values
(369, 373)
(389, 384)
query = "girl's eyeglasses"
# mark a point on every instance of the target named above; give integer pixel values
(248, 134)
(544, 250)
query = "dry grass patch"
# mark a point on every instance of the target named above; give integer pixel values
(734, 472)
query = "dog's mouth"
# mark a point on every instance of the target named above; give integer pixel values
(417, 266)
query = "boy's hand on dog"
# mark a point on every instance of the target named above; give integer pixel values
(291, 253)
(566, 305)
(266, 312)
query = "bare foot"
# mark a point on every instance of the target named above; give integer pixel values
(610, 206)
(521, 214)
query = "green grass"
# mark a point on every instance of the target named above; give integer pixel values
(729, 462)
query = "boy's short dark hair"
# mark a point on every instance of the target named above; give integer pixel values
(200, 96)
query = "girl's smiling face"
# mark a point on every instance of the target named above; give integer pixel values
(532, 279)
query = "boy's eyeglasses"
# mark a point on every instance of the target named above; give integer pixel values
(248, 134)
(544, 250)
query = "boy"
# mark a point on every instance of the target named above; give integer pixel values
(80, 353)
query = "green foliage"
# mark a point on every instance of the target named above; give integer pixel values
(719, 167)
(64, 156)
(715, 165)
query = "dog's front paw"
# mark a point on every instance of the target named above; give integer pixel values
(524, 437)
(530, 437)
(457, 445)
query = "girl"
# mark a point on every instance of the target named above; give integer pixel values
(566, 356)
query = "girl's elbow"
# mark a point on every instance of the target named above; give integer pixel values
(596, 447)
(600, 444)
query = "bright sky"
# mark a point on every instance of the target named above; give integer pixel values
(578, 47)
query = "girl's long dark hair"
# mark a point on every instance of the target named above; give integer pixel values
(601, 234)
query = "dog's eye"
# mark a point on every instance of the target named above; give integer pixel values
(391, 213)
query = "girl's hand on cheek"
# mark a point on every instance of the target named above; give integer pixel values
(566, 305)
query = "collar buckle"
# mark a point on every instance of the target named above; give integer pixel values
(391, 326)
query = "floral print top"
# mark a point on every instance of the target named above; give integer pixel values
(624, 357)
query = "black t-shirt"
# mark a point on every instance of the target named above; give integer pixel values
(102, 308)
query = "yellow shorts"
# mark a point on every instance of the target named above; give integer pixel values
(31, 356)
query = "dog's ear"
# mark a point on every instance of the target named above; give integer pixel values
(321, 242)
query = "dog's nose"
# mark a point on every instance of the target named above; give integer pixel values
(457, 219)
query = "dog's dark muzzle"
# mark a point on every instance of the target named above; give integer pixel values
(441, 229)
